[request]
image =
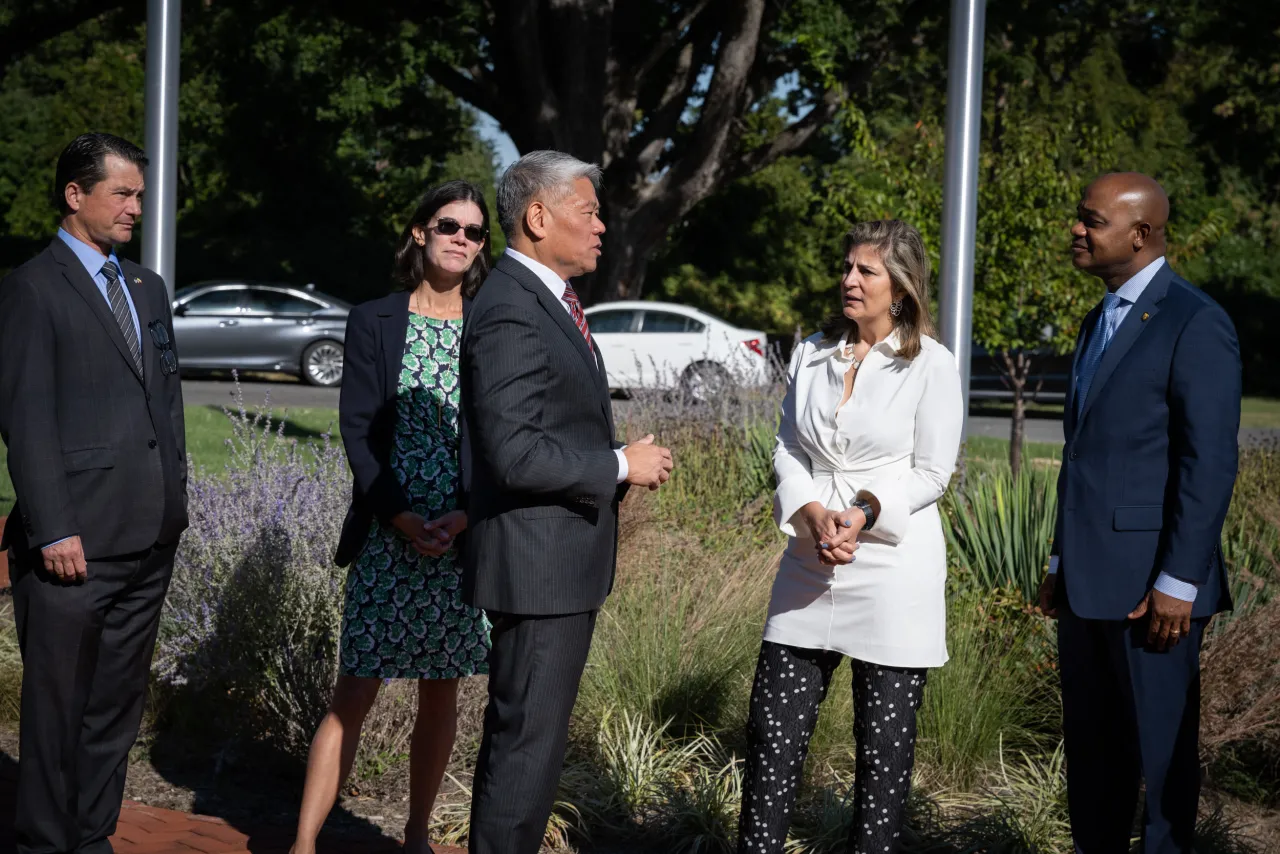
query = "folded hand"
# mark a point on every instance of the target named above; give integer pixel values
(834, 532)
(442, 532)
(414, 528)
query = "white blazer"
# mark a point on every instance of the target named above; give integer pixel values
(896, 438)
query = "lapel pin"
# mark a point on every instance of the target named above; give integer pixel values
(1146, 316)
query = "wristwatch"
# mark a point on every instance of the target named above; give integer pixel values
(868, 511)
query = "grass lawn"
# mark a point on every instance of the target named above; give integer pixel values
(207, 432)
(1260, 412)
(990, 448)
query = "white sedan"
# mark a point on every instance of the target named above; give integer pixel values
(663, 345)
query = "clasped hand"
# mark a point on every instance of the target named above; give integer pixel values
(834, 532)
(431, 537)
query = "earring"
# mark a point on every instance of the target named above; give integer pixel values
(895, 307)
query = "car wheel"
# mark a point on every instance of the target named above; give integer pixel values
(703, 381)
(322, 364)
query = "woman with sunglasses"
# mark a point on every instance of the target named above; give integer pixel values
(399, 415)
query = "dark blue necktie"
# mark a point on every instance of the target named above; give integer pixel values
(1098, 341)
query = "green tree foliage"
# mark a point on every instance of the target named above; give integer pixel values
(1068, 93)
(304, 140)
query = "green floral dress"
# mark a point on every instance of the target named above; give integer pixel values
(405, 618)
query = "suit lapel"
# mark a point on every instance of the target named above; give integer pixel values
(82, 284)
(558, 312)
(1146, 306)
(393, 327)
(1082, 341)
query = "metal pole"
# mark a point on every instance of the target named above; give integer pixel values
(159, 222)
(960, 187)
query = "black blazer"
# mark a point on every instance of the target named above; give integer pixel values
(367, 417)
(540, 463)
(1149, 463)
(95, 449)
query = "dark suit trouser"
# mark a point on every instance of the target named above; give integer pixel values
(1129, 714)
(534, 669)
(86, 654)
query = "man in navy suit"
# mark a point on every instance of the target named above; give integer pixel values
(1136, 571)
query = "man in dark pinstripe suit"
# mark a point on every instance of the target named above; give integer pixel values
(91, 413)
(545, 476)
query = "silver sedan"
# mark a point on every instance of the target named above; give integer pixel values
(260, 327)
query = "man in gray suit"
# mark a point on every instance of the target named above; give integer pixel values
(91, 413)
(545, 476)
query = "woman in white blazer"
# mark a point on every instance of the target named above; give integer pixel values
(868, 441)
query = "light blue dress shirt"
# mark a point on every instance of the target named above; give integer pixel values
(93, 262)
(1128, 294)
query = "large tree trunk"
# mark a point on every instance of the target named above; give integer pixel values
(567, 75)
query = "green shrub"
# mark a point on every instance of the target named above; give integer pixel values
(998, 689)
(1000, 527)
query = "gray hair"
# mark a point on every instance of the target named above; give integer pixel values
(539, 172)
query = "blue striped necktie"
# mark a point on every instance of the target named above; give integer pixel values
(1098, 341)
(120, 308)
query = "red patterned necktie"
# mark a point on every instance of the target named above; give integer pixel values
(575, 311)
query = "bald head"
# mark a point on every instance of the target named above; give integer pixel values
(1120, 228)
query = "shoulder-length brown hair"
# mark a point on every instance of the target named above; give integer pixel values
(411, 259)
(901, 250)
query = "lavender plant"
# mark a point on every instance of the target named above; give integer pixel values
(254, 611)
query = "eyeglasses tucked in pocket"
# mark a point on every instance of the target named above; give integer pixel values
(168, 358)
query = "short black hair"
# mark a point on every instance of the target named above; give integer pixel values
(83, 162)
(411, 259)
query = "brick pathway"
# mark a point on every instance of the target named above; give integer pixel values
(147, 830)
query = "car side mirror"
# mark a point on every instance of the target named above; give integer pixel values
(179, 310)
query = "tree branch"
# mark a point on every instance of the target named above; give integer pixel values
(793, 137)
(668, 40)
(476, 92)
(700, 167)
(650, 142)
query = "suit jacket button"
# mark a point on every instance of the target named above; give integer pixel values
(1073, 455)
(151, 443)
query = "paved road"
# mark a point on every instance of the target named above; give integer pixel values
(286, 393)
(293, 393)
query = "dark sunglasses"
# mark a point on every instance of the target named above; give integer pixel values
(168, 358)
(449, 227)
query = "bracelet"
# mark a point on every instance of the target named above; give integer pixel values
(867, 511)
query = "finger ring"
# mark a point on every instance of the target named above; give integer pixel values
(1174, 634)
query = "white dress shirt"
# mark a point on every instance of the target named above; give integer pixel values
(896, 438)
(556, 285)
(1128, 294)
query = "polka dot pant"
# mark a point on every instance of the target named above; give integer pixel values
(790, 684)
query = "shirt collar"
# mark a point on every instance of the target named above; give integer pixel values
(891, 345)
(544, 273)
(89, 256)
(1132, 289)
